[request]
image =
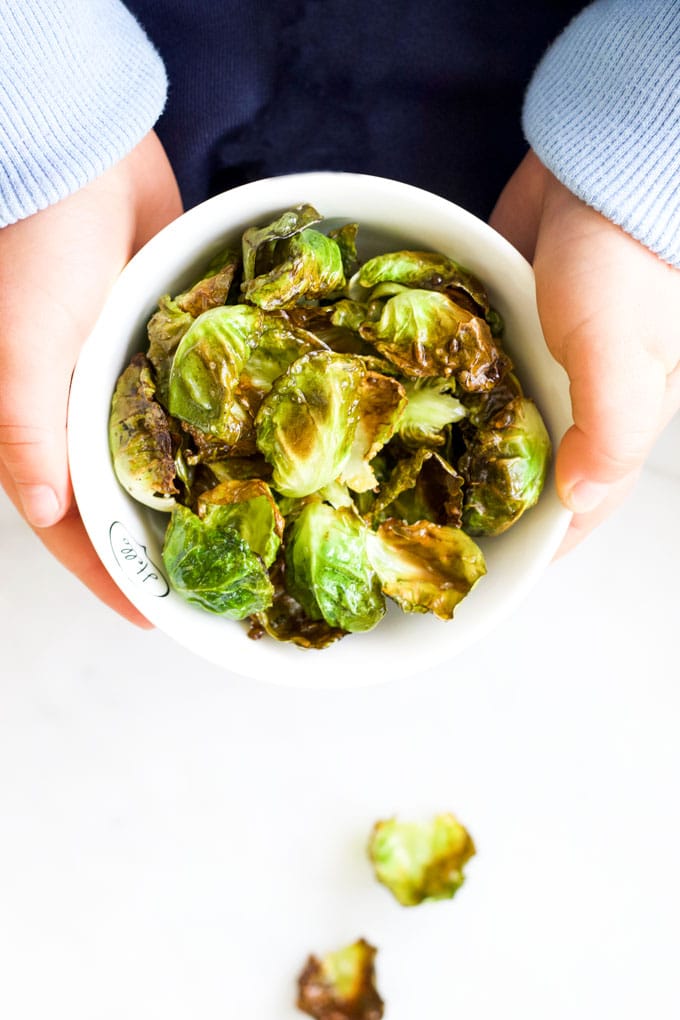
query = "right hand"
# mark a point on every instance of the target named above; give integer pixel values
(56, 269)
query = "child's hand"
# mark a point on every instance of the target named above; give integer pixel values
(609, 311)
(56, 268)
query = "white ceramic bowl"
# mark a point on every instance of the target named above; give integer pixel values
(128, 537)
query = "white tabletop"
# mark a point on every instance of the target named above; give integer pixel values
(175, 840)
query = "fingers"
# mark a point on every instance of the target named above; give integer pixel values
(52, 285)
(581, 525)
(69, 543)
(56, 269)
(602, 299)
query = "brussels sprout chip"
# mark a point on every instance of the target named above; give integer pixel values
(341, 985)
(420, 861)
(328, 433)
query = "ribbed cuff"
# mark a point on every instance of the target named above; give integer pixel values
(80, 86)
(602, 112)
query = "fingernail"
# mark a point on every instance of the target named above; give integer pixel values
(41, 505)
(585, 496)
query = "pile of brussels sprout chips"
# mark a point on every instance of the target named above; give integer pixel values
(326, 435)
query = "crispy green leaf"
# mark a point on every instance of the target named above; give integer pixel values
(210, 565)
(430, 407)
(290, 222)
(423, 269)
(420, 861)
(307, 423)
(307, 265)
(250, 509)
(139, 438)
(381, 403)
(286, 620)
(425, 567)
(346, 239)
(212, 290)
(328, 570)
(207, 366)
(423, 487)
(165, 329)
(341, 985)
(504, 468)
(424, 333)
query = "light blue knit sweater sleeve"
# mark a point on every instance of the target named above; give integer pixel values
(602, 112)
(80, 85)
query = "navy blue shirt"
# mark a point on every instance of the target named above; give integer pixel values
(425, 92)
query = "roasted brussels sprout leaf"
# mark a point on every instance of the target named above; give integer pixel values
(286, 620)
(254, 239)
(346, 239)
(420, 861)
(328, 435)
(213, 289)
(139, 439)
(425, 567)
(328, 570)
(250, 509)
(207, 365)
(307, 423)
(424, 333)
(165, 329)
(430, 407)
(423, 487)
(424, 269)
(210, 565)
(310, 267)
(504, 468)
(381, 401)
(279, 344)
(341, 985)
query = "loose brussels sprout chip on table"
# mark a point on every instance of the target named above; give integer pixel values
(341, 985)
(327, 434)
(419, 861)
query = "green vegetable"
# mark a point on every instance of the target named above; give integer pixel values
(210, 565)
(341, 985)
(307, 265)
(346, 240)
(420, 861)
(328, 569)
(207, 366)
(425, 567)
(504, 468)
(423, 487)
(307, 423)
(423, 269)
(212, 289)
(259, 243)
(250, 509)
(139, 438)
(424, 333)
(381, 401)
(430, 407)
(165, 329)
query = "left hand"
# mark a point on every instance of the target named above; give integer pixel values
(610, 312)
(56, 269)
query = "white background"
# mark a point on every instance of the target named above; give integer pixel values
(175, 840)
